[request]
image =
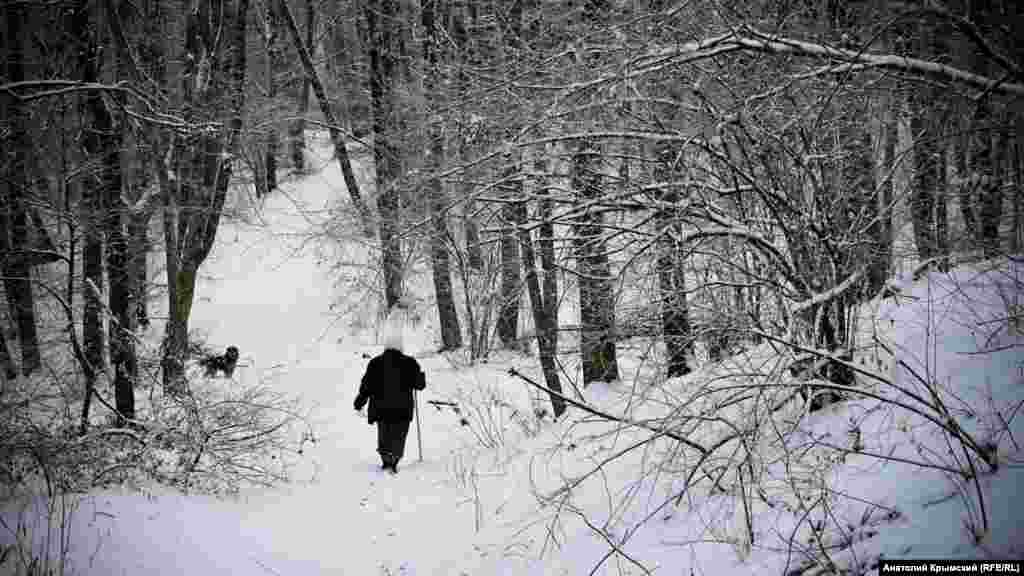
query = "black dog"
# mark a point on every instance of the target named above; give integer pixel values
(226, 363)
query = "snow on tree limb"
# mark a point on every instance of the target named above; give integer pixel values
(829, 294)
(779, 44)
(758, 241)
(752, 39)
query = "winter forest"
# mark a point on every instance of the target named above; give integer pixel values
(699, 286)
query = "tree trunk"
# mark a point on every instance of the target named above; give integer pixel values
(297, 128)
(546, 243)
(474, 251)
(597, 313)
(511, 283)
(880, 230)
(96, 143)
(451, 333)
(175, 342)
(275, 66)
(470, 228)
(119, 272)
(925, 182)
(675, 316)
(148, 18)
(138, 249)
(122, 343)
(337, 138)
(379, 15)
(987, 160)
(541, 320)
(508, 307)
(15, 265)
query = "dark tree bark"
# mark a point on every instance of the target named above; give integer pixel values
(928, 185)
(138, 248)
(122, 343)
(883, 135)
(297, 128)
(122, 286)
(147, 17)
(508, 307)
(275, 65)
(451, 333)
(857, 212)
(926, 181)
(593, 273)
(14, 221)
(546, 245)
(675, 316)
(987, 161)
(474, 250)
(541, 320)
(337, 138)
(383, 67)
(175, 344)
(97, 142)
(470, 228)
(989, 145)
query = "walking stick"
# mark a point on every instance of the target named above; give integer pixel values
(419, 432)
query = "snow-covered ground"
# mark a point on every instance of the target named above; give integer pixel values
(471, 506)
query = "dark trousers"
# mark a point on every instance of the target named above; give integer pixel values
(391, 439)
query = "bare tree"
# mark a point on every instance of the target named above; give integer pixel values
(451, 334)
(593, 272)
(145, 20)
(543, 322)
(274, 66)
(511, 284)
(99, 142)
(214, 93)
(463, 53)
(675, 315)
(297, 127)
(337, 138)
(14, 196)
(381, 45)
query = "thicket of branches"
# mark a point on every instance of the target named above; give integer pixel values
(709, 175)
(758, 168)
(712, 176)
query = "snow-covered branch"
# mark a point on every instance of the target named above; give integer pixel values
(762, 244)
(829, 294)
(755, 40)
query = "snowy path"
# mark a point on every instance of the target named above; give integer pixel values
(264, 292)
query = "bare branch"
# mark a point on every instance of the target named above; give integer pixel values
(600, 414)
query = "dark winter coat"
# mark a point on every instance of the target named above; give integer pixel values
(387, 385)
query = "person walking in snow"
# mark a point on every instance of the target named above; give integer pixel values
(388, 386)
